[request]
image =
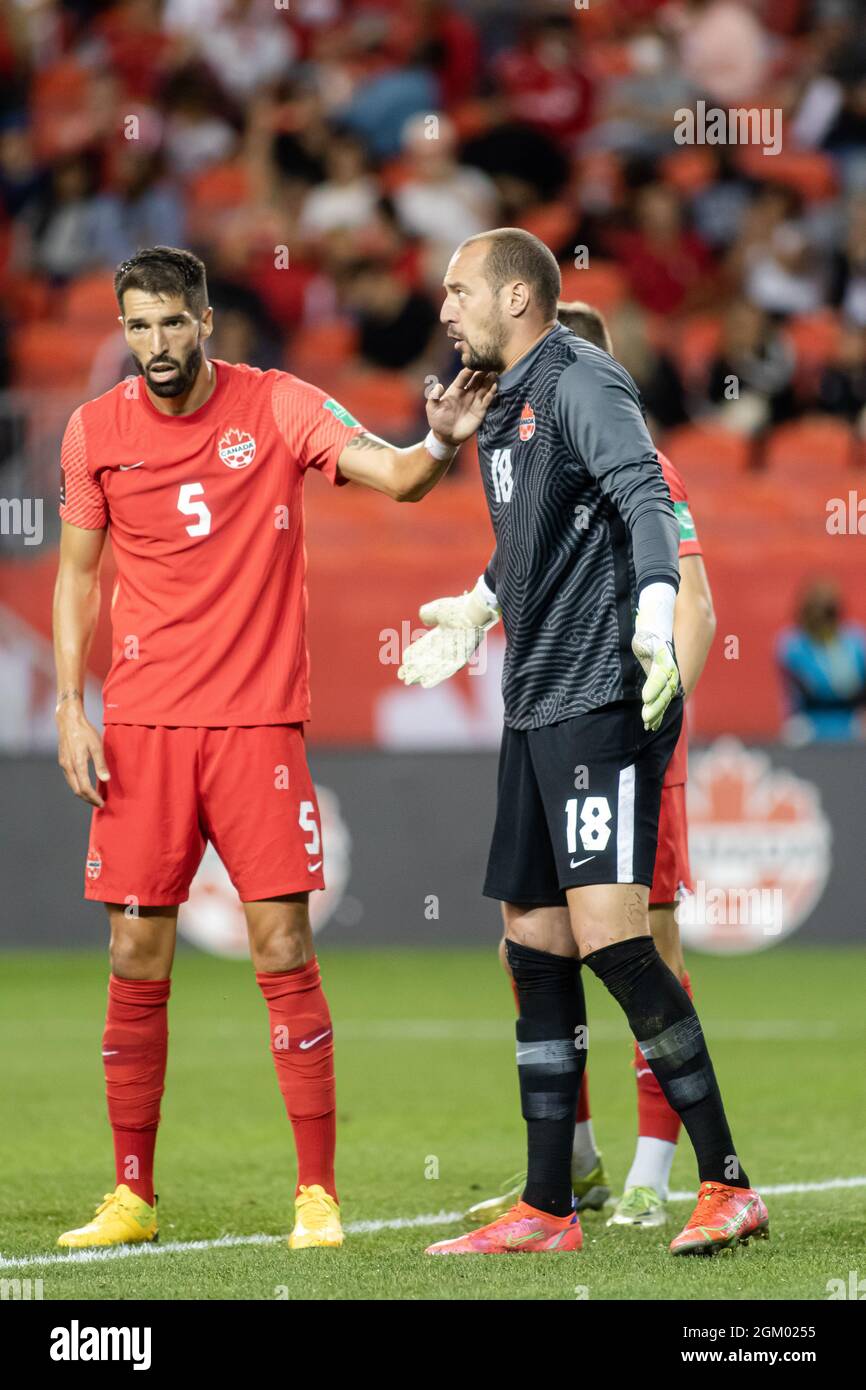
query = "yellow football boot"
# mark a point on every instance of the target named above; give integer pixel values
(122, 1219)
(317, 1220)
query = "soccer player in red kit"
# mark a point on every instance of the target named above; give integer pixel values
(196, 469)
(646, 1186)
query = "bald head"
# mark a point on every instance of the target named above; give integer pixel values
(511, 256)
(501, 289)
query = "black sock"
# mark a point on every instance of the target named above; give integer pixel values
(550, 1063)
(668, 1031)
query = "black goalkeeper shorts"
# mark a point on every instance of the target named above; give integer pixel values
(578, 803)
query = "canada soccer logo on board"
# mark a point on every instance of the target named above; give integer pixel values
(237, 449)
(760, 850)
(526, 428)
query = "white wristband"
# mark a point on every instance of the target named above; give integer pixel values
(484, 589)
(440, 451)
(656, 609)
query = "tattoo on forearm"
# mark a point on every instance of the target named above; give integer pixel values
(366, 441)
(69, 694)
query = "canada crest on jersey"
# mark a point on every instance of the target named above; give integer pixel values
(526, 428)
(237, 449)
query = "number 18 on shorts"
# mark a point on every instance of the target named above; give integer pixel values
(578, 803)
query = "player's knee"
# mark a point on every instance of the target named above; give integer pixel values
(285, 946)
(134, 957)
(503, 957)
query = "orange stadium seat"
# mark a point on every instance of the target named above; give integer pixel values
(384, 402)
(792, 511)
(602, 284)
(813, 447)
(27, 297)
(815, 339)
(59, 108)
(333, 340)
(394, 173)
(45, 356)
(221, 186)
(471, 118)
(594, 22)
(707, 451)
(610, 59)
(810, 173)
(693, 344)
(552, 223)
(91, 300)
(689, 169)
(322, 351)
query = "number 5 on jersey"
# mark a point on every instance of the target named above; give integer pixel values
(191, 504)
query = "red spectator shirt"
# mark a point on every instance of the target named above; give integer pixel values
(677, 770)
(205, 513)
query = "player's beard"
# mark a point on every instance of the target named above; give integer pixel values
(179, 385)
(489, 356)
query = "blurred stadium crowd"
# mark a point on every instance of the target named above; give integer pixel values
(325, 157)
(368, 138)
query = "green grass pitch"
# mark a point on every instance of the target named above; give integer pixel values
(428, 1123)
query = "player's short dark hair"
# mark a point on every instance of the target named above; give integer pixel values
(587, 322)
(513, 254)
(164, 270)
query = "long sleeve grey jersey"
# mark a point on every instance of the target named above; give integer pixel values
(583, 519)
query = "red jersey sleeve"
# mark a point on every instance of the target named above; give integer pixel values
(315, 427)
(82, 501)
(689, 543)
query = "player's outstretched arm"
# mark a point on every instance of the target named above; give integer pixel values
(457, 626)
(76, 609)
(407, 475)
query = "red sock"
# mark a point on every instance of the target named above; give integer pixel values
(302, 1044)
(134, 1050)
(655, 1118)
(582, 1111)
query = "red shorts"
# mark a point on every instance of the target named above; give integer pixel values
(672, 873)
(246, 789)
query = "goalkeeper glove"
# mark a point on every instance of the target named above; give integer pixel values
(457, 626)
(652, 644)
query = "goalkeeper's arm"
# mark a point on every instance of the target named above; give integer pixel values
(457, 626)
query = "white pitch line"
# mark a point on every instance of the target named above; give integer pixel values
(354, 1228)
(182, 1247)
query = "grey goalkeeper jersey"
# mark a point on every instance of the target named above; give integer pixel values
(583, 518)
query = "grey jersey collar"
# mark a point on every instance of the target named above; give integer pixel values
(515, 375)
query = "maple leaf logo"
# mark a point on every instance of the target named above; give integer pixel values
(755, 826)
(237, 449)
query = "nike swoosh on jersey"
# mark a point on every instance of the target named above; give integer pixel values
(311, 1042)
(576, 863)
(313, 867)
(126, 467)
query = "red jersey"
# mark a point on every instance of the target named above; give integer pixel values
(206, 518)
(689, 545)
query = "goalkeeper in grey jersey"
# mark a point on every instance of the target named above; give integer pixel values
(585, 577)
